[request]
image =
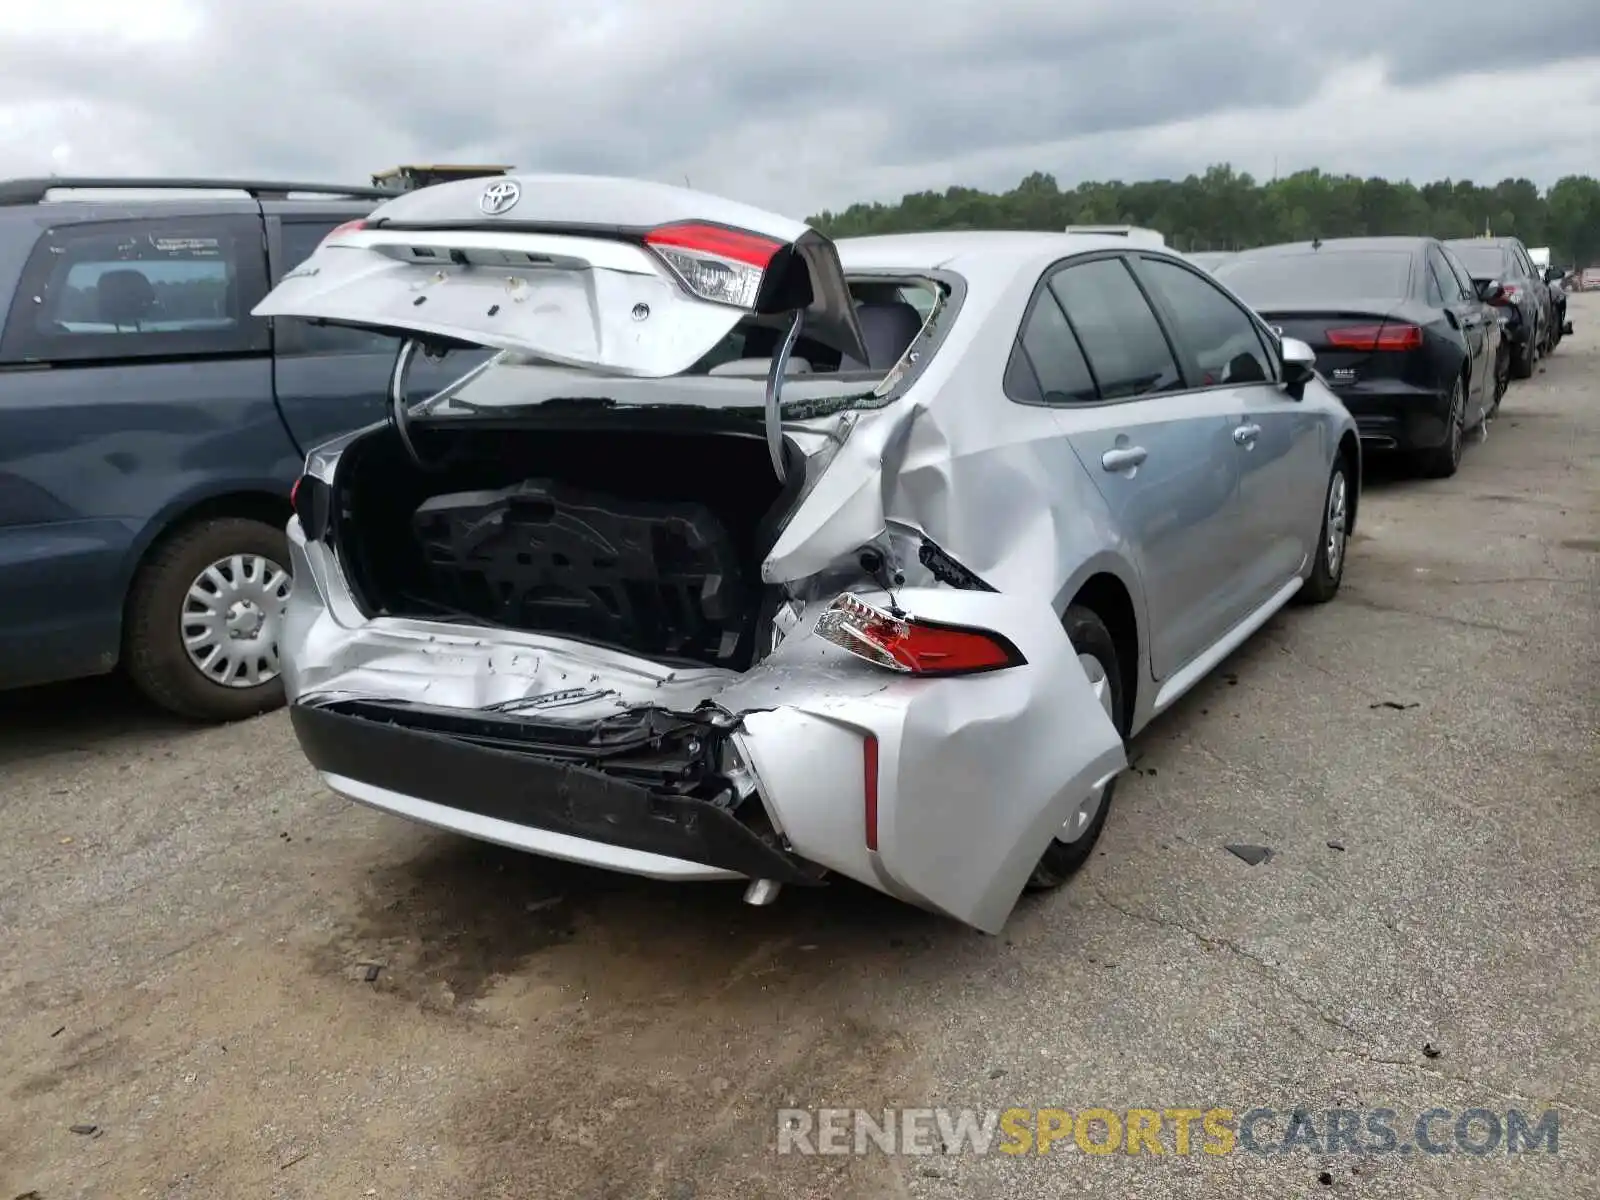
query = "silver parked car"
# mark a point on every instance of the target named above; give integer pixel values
(752, 556)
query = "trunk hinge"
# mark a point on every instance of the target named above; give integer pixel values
(774, 408)
(400, 406)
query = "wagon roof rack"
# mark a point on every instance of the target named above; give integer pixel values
(36, 191)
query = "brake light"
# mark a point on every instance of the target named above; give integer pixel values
(339, 230)
(869, 767)
(1508, 293)
(912, 646)
(1376, 337)
(725, 266)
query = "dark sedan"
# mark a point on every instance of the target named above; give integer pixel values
(1401, 336)
(1524, 297)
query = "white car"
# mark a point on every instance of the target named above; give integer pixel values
(756, 557)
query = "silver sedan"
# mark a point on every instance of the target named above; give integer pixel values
(755, 556)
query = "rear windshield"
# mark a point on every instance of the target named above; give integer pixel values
(894, 313)
(1317, 275)
(1483, 262)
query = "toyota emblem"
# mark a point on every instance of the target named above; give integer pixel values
(500, 197)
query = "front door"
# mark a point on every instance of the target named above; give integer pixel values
(1275, 441)
(1161, 455)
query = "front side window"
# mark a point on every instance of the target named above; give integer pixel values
(139, 289)
(1448, 284)
(1223, 338)
(1120, 335)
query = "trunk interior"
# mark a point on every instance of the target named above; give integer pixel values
(648, 540)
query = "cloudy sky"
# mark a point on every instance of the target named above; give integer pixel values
(801, 106)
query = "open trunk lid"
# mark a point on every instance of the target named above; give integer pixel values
(614, 275)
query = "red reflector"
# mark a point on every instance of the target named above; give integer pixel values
(869, 765)
(734, 244)
(1376, 337)
(910, 645)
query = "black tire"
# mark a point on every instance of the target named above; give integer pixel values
(1524, 358)
(1502, 378)
(153, 650)
(1327, 572)
(1442, 461)
(1089, 635)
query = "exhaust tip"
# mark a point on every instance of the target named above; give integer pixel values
(762, 892)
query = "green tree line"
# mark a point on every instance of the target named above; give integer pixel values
(1228, 210)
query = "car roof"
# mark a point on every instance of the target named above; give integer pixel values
(1410, 245)
(969, 250)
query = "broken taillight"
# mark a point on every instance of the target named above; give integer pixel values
(913, 646)
(725, 266)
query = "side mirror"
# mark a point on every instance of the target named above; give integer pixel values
(1551, 274)
(1491, 291)
(1299, 365)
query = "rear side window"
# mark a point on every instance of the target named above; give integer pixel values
(299, 240)
(1222, 337)
(156, 288)
(1047, 365)
(1119, 333)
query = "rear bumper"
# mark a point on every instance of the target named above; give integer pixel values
(1391, 415)
(530, 802)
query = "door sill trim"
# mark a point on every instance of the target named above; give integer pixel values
(1202, 665)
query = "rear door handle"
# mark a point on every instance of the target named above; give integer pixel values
(1123, 458)
(1245, 435)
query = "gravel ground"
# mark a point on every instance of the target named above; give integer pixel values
(249, 988)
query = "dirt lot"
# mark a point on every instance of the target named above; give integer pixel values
(188, 921)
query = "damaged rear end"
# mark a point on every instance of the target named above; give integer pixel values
(629, 595)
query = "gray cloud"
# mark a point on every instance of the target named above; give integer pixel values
(849, 91)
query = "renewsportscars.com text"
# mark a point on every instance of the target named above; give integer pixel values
(1176, 1131)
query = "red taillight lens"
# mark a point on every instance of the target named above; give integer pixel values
(715, 263)
(913, 646)
(337, 230)
(869, 770)
(1508, 293)
(294, 490)
(1376, 337)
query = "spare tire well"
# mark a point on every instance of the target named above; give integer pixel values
(1106, 596)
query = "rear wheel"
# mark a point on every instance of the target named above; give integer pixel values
(1524, 357)
(204, 620)
(1442, 460)
(1097, 654)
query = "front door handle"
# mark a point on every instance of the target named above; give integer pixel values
(1124, 458)
(1245, 435)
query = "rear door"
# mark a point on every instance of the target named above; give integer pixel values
(1162, 456)
(625, 277)
(1465, 314)
(134, 382)
(1275, 439)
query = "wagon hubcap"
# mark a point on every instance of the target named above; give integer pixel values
(232, 618)
(1082, 817)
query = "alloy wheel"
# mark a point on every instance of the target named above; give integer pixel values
(1082, 818)
(1335, 534)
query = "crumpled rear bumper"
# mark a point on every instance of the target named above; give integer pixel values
(942, 792)
(402, 758)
